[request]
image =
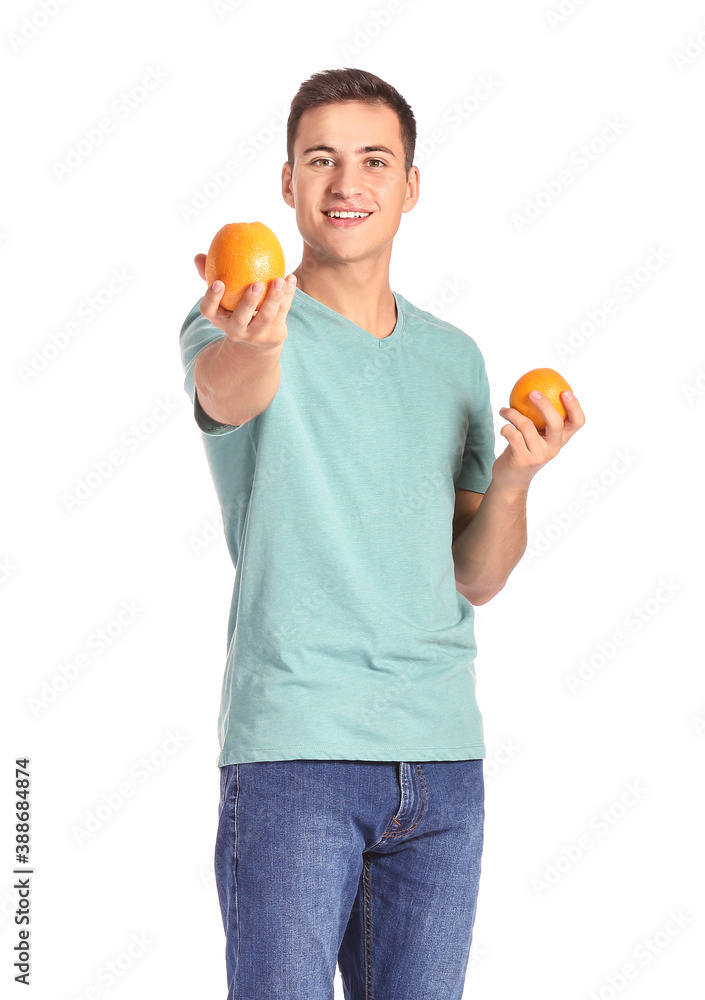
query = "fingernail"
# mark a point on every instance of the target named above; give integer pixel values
(567, 395)
(258, 287)
(278, 283)
(217, 286)
(535, 394)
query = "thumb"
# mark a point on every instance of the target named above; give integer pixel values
(200, 262)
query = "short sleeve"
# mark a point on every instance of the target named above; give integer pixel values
(197, 333)
(479, 452)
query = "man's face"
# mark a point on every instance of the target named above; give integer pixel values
(349, 157)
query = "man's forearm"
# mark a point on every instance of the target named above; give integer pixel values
(236, 381)
(490, 546)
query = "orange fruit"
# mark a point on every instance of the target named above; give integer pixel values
(240, 254)
(549, 383)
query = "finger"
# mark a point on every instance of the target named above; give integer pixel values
(245, 309)
(288, 296)
(553, 432)
(575, 413)
(200, 262)
(267, 312)
(211, 300)
(515, 439)
(524, 424)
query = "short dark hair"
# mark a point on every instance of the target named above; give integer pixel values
(338, 86)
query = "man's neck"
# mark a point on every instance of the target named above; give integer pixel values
(360, 291)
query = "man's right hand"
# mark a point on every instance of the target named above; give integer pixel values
(262, 328)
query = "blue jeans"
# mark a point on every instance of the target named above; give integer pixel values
(373, 865)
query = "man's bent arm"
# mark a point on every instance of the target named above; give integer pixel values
(488, 548)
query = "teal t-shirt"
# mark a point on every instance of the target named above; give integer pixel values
(347, 638)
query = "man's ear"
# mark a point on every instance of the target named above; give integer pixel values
(287, 192)
(412, 189)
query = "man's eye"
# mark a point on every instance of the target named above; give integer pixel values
(322, 159)
(381, 162)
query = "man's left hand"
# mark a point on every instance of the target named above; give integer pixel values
(529, 449)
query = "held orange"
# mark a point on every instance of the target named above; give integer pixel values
(240, 254)
(549, 383)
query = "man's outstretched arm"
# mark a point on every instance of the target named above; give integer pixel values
(489, 547)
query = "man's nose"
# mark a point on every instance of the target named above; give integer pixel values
(346, 182)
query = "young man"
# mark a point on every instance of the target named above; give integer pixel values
(350, 439)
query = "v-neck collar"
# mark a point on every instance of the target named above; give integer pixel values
(381, 343)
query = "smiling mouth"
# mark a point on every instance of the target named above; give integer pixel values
(335, 214)
(346, 220)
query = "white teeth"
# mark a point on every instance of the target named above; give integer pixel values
(347, 215)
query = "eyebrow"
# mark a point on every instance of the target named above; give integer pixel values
(362, 149)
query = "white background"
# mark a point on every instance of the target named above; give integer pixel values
(604, 532)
